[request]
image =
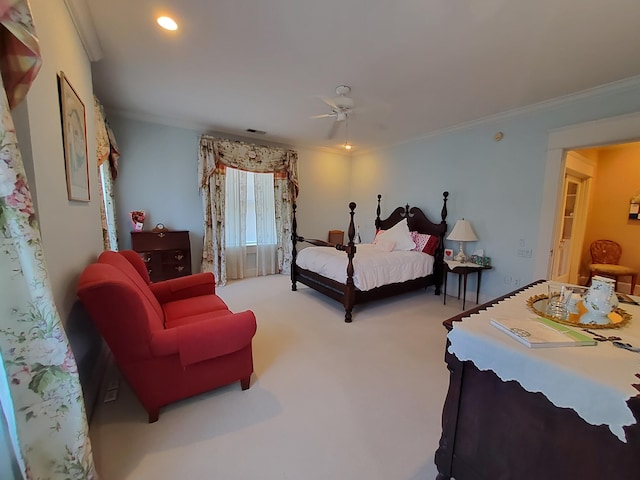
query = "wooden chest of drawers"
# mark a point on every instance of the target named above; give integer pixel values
(167, 254)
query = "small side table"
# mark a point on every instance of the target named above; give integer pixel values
(463, 270)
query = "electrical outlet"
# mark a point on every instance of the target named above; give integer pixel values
(516, 282)
(111, 395)
(508, 280)
(528, 253)
(522, 243)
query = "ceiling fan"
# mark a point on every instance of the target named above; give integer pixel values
(341, 107)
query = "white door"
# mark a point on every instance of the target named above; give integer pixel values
(571, 222)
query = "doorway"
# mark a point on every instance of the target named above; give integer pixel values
(596, 183)
(608, 131)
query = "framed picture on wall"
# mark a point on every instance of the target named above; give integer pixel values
(74, 137)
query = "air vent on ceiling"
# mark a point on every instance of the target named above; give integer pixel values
(257, 132)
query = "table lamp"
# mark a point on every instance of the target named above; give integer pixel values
(462, 232)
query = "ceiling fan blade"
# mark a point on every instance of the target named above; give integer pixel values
(333, 130)
(331, 102)
(325, 115)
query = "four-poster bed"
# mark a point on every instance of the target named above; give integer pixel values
(347, 292)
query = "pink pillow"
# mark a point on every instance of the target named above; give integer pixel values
(425, 243)
(420, 239)
(378, 232)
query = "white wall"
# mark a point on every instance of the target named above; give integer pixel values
(498, 186)
(501, 187)
(158, 173)
(71, 231)
(323, 203)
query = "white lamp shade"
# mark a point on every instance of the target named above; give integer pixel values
(462, 232)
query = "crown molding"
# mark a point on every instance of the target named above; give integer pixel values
(608, 88)
(83, 22)
(205, 129)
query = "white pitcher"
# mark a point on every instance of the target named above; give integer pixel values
(600, 300)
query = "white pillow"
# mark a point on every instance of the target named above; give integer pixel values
(400, 234)
(384, 244)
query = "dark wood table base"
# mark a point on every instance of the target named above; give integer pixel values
(463, 272)
(493, 429)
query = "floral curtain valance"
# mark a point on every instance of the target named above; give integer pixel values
(20, 59)
(102, 137)
(247, 156)
(106, 146)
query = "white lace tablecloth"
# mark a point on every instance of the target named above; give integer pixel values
(594, 381)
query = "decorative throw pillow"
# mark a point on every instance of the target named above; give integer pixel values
(425, 243)
(432, 245)
(420, 239)
(400, 234)
(385, 244)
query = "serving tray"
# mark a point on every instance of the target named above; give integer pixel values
(538, 303)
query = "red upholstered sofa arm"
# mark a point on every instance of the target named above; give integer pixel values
(211, 338)
(184, 287)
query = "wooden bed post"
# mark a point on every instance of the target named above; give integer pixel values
(350, 248)
(294, 252)
(377, 222)
(439, 261)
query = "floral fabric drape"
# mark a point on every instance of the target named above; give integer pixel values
(108, 155)
(214, 155)
(45, 394)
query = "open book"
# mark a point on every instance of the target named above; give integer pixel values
(541, 332)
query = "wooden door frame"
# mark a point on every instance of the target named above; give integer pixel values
(621, 129)
(580, 223)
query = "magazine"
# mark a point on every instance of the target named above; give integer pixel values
(541, 333)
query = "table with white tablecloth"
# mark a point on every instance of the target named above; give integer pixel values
(560, 404)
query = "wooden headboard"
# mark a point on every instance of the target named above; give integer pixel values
(416, 219)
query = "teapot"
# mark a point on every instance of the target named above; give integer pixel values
(599, 300)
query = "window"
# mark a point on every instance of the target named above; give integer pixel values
(249, 208)
(107, 210)
(250, 222)
(251, 238)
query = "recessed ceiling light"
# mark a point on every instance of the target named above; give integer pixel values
(167, 23)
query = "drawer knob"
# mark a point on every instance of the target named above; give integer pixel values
(179, 268)
(179, 256)
(161, 234)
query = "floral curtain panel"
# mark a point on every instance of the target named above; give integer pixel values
(44, 406)
(108, 154)
(215, 154)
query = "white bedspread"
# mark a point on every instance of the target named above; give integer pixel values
(372, 267)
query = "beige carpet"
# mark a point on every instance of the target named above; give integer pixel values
(328, 400)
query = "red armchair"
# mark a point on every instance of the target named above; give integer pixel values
(171, 339)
